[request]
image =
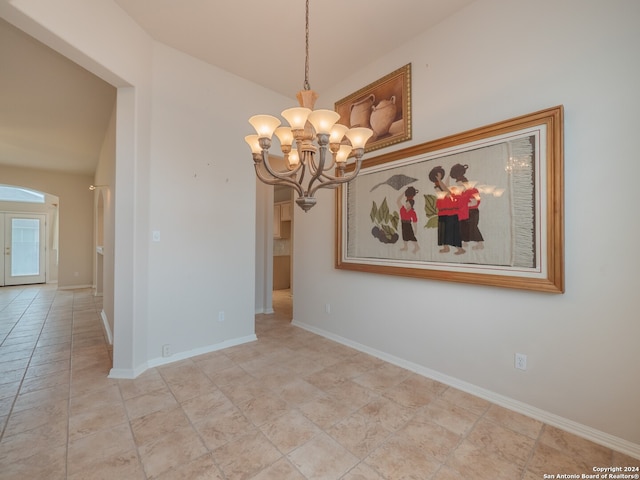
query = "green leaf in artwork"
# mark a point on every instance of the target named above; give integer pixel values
(430, 205)
(432, 223)
(385, 222)
(384, 211)
(395, 218)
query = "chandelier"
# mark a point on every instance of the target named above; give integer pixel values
(314, 132)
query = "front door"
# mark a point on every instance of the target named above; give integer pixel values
(23, 244)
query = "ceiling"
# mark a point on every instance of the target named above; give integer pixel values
(54, 113)
(264, 41)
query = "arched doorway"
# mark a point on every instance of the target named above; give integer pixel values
(28, 236)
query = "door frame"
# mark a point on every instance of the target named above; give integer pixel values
(7, 234)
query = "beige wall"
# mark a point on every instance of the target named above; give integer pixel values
(75, 266)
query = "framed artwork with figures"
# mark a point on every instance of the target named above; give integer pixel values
(484, 207)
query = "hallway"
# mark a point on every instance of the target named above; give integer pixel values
(291, 406)
(282, 301)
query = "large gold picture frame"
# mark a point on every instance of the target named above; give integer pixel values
(384, 106)
(484, 207)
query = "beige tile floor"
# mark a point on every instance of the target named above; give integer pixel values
(290, 406)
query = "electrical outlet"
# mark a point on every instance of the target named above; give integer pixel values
(221, 316)
(521, 361)
(327, 308)
(166, 350)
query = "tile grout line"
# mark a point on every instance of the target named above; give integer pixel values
(204, 444)
(71, 368)
(15, 397)
(66, 454)
(533, 451)
(133, 437)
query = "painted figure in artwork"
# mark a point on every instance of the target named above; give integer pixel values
(470, 213)
(448, 203)
(408, 218)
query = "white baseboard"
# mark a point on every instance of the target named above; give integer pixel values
(200, 351)
(156, 362)
(266, 311)
(107, 327)
(127, 373)
(601, 438)
(74, 287)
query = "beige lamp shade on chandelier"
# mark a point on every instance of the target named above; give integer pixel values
(313, 145)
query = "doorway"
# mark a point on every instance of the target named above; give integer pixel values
(22, 241)
(282, 295)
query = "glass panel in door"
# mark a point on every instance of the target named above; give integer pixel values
(24, 249)
(3, 252)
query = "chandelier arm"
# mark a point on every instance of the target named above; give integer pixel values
(304, 164)
(291, 171)
(280, 179)
(272, 172)
(323, 141)
(335, 181)
(332, 164)
(318, 170)
(326, 178)
(315, 168)
(295, 169)
(264, 179)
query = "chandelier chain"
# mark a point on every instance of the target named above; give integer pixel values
(318, 148)
(306, 58)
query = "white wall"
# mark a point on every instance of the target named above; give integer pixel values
(495, 60)
(203, 203)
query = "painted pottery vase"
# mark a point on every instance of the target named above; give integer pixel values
(361, 111)
(382, 116)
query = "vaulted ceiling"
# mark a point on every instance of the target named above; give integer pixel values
(54, 113)
(264, 41)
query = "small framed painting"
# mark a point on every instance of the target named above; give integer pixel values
(383, 106)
